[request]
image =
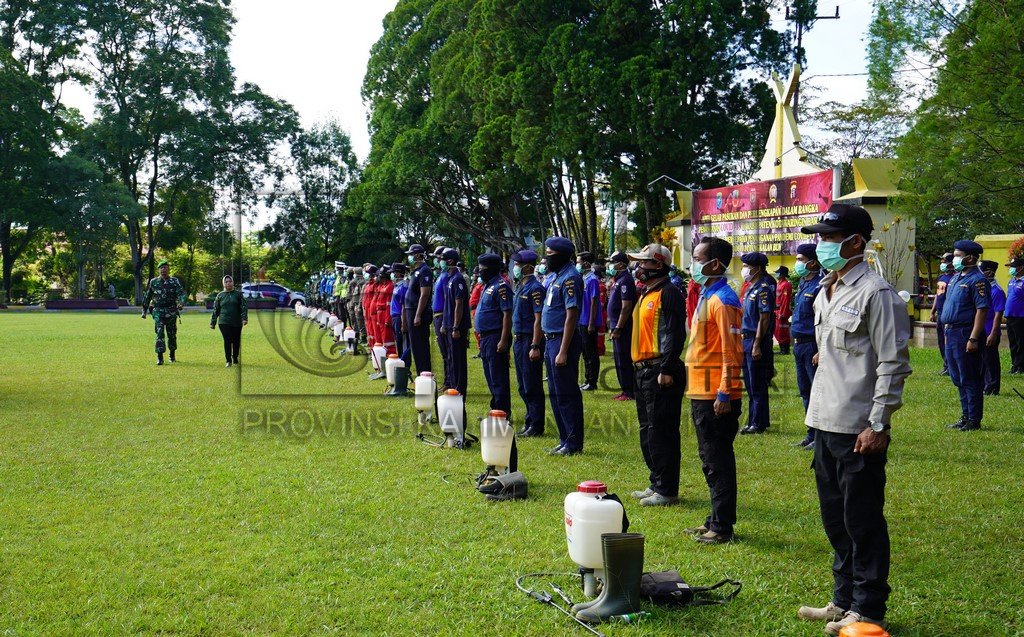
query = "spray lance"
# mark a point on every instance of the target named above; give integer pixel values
(544, 597)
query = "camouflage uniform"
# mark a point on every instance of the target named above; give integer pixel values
(165, 295)
(356, 309)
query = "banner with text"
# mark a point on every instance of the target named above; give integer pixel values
(763, 216)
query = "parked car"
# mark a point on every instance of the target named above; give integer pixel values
(272, 290)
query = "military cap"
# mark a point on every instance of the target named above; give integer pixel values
(162, 263)
(560, 244)
(809, 250)
(489, 260)
(755, 258)
(845, 218)
(968, 246)
(526, 257)
(450, 254)
(416, 249)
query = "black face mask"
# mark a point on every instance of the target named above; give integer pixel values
(487, 273)
(557, 261)
(643, 274)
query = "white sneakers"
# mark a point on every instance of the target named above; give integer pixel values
(837, 618)
(833, 627)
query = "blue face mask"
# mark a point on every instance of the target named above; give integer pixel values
(801, 269)
(943, 267)
(542, 269)
(1013, 271)
(366, 276)
(829, 257)
(517, 272)
(958, 264)
(697, 272)
(579, 268)
(611, 271)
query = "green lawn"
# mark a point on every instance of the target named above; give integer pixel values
(137, 499)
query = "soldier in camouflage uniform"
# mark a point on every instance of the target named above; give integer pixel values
(167, 296)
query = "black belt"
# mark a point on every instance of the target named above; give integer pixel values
(650, 362)
(523, 335)
(957, 326)
(551, 337)
(489, 332)
(803, 339)
(748, 333)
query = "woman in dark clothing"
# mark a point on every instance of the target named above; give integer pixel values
(231, 312)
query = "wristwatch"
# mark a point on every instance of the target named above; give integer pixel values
(535, 346)
(878, 427)
(972, 340)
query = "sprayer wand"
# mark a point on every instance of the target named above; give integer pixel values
(545, 598)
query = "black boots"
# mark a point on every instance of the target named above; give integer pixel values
(623, 568)
(160, 358)
(401, 387)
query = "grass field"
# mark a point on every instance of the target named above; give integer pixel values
(191, 499)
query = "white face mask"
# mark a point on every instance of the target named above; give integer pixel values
(745, 272)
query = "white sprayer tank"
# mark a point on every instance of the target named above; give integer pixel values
(339, 329)
(298, 308)
(449, 414)
(425, 388)
(392, 362)
(587, 515)
(332, 320)
(379, 354)
(496, 435)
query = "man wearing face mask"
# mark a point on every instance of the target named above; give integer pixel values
(354, 299)
(437, 304)
(401, 286)
(493, 321)
(589, 321)
(656, 344)
(758, 327)
(783, 309)
(993, 329)
(417, 319)
(528, 346)
(946, 273)
(1015, 315)
(863, 335)
(805, 348)
(369, 298)
(714, 368)
(621, 298)
(968, 298)
(562, 347)
(382, 310)
(456, 324)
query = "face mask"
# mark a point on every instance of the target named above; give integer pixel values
(611, 271)
(517, 272)
(557, 261)
(958, 264)
(643, 274)
(410, 259)
(943, 267)
(366, 276)
(745, 273)
(1013, 271)
(828, 254)
(542, 269)
(579, 268)
(801, 269)
(697, 272)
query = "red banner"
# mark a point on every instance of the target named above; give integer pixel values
(763, 216)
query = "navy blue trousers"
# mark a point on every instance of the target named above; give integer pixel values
(757, 375)
(400, 345)
(624, 360)
(442, 346)
(496, 372)
(530, 378)
(455, 375)
(419, 343)
(564, 391)
(966, 371)
(803, 355)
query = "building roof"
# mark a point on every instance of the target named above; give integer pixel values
(873, 179)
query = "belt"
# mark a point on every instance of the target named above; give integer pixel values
(523, 336)
(749, 333)
(803, 339)
(957, 326)
(489, 332)
(551, 337)
(437, 314)
(650, 362)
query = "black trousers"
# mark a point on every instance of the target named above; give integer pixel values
(715, 436)
(1015, 332)
(591, 361)
(940, 334)
(232, 335)
(851, 494)
(455, 371)
(419, 342)
(659, 412)
(991, 368)
(624, 361)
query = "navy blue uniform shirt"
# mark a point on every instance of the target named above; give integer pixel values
(495, 300)
(759, 299)
(802, 323)
(940, 291)
(564, 293)
(421, 276)
(622, 288)
(967, 292)
(456, 288)
(529, 301)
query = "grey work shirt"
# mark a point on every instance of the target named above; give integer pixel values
(863, 335)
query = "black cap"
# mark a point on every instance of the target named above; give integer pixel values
(416, 249)
(755, 258)
(586, 257)
(489, 260)
(782, 270)
(398, 268)
(845, 218)
(948, 257)
(450, 254)
(1015, 263)
(988, 266)
(809, 250)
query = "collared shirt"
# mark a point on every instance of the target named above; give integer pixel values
(356, 287)
(529, 301)
(659, 329)
(967, 292)
(398, 297)
(863, 335)
(564, 293)
(802, 323)
(622, 288)
(759, 299)
(997, 303)
(456, 289)
(495, 300)
(714, 356)
(164, 293)
(1015, 297)
(783, 300)
(591, 300)
(422, 276)
(940, 291)
(437, 306)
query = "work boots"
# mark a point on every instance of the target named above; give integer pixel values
(623, 568)
(401, 386)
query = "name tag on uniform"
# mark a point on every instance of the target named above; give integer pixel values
(850, 310)
(551, 293)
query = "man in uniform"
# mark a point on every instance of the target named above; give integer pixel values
(655, 346)
(356, 307)
(714, 364)
(440, 270)
(417, 299)
(964, 313)
(993, 329)
(562, 347)
(382, 310)
(783, 308)
(590, 320)
(528, 347)
(946, 273)
(863, 338)
(805, 348)
(340, 292)
(456, 325)
(398, 276)
(758, 327)
(1015, 315)
(621, 298)
(164, 299)
(494, 324)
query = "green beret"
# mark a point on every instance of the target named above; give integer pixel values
(162, 263)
